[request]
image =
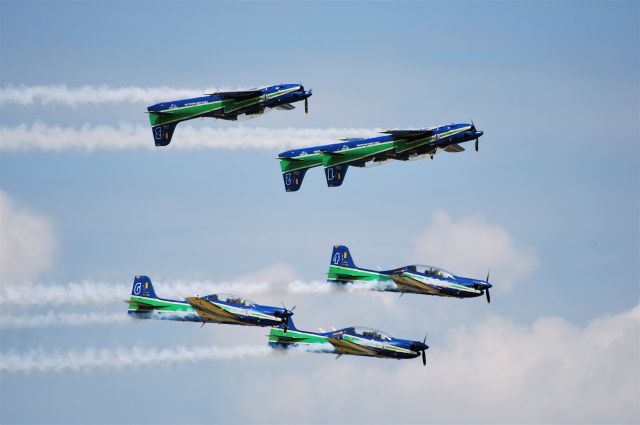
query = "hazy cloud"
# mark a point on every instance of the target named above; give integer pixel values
(278, 273)
(27, 242)
(471, 246)
(494, 371)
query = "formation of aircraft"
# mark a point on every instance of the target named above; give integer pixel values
(415, 278)
(215, 308)
(400, 145)
(165, 116)
(357, 341)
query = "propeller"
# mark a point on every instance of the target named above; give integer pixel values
(286, 315)
(487, 290)
(422, 347)
(306, 105)
(473, 128)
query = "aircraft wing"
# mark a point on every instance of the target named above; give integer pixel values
(408, 284)
(346, 347)
(454, 148)
(286, 107)
(236, 95)
(209, 311)
(410, 134)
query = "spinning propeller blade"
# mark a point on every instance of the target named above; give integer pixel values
(423, 347)
(286, 315)
(487, 290)
(473, 128)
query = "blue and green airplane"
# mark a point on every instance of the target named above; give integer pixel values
(216, 308)
(413, 279)
(401, 145)
(357, 341)
(165, 116)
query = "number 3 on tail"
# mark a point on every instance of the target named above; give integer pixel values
(157, 133)
(287, 179)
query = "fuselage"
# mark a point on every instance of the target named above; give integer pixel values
(408, 280)
(381, 148)
(224, 106)
(250, 315)
(353, 341)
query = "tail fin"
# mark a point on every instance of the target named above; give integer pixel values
(342, 257)
(335, 174)
(162, 134)
(142, 287)
(293, 179)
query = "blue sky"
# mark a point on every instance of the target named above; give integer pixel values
(555, 87)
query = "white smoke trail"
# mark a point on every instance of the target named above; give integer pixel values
(61, 319)
(55, 138)
(119, 358)
(73, 96)
(90, 292)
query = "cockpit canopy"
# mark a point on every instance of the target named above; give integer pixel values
(368, 332)
(229, 299)
(430, 270)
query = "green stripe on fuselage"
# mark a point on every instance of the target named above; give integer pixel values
(184, 113)
(159, 305)
(317, 159)
(278, 335)
(341, 273)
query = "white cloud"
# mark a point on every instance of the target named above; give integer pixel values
(27, 242)
(55, 138)
(471, 246)
(494, 371)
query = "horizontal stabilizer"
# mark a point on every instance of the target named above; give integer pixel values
(166, 112)
(143, 305)
(454, 148)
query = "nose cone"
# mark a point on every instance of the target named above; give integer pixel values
(419, 346)
(479, 133)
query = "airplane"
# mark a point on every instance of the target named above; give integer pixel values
(413, 279)
(216, 308)
(357, 341)
(165, 116)
(401, 145)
